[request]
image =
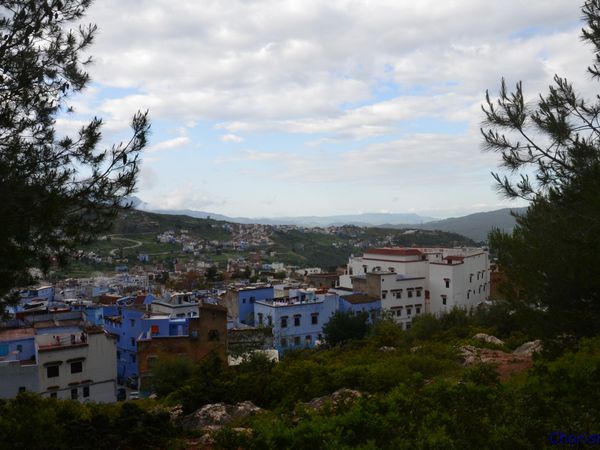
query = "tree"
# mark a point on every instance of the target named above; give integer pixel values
(57, 192)
(552, 151)
(346, 326)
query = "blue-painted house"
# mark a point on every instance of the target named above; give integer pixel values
(240, 302)
(359, 302)
(130, 321)
(297, 320)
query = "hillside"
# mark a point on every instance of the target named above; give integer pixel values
(477, 226)
(192, 240)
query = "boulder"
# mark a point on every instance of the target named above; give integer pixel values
(215, 415)
(528, 348)
(386, 349)
(469, 355)
(340, 397)
(488, 338)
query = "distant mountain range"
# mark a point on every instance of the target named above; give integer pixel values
(474, 226)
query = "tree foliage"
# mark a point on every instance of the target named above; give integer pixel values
(346, 326)
(551, 150)
(57, 191)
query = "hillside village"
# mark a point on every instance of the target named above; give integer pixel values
(98, 338)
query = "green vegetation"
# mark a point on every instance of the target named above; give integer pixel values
(553, 150)
(56, 193)
(414, 393)
(344, 327)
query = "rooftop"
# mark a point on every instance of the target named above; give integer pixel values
(13, 334)
(357, 299)
(396, 251)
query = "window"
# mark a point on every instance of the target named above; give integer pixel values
(418, 292)
(132, 357)
(118, 355)
(314, 318)
(86, 391)
(53, 395)
(260, 318)
(478, 275)
(383, 294)
(410, 294)
(408, 325)
(74, 394)
(244, 301)
(297, 320)
(19, 348)
(296, 340)
(398, 312)
(417, 310)
(213, 335)
(470, 278)
(270, 321)
(284, 342)
(77, 367)
(468, 294)
(408, 311)
(52, 371)
(132, 341)
(399, 294)
(447, 282)
(22, 389)
(284, 320)
(132, 322)
(252, 299)
(443, 299)
(307, 340)
(154, 329)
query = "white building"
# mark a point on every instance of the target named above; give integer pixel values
(421, 279)
(66, 362)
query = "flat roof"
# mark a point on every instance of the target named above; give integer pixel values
(395, 251)
(357, 299)
(12, 334)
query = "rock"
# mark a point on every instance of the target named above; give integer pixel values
(506, 364)
(215, 415)
(385, 349)
(469, 355)
(528, 348)
(340, 397)
(488, 338)
(175, 412)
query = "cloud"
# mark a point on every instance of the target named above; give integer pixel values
(232, 138)
(185, 196)
(375, 97)
(170, 144)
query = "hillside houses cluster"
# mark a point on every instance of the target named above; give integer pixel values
(93, 339)
(243, 237)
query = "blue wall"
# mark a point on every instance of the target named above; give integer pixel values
(296, 334)
(373, 307)
(247, 299)
(132, 326)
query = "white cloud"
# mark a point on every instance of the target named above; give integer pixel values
(376, 93)
(232, 138)
(185, 196)
(170, 144)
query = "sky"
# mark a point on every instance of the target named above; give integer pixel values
(291, 108)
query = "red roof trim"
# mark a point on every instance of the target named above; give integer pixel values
(395, 251)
